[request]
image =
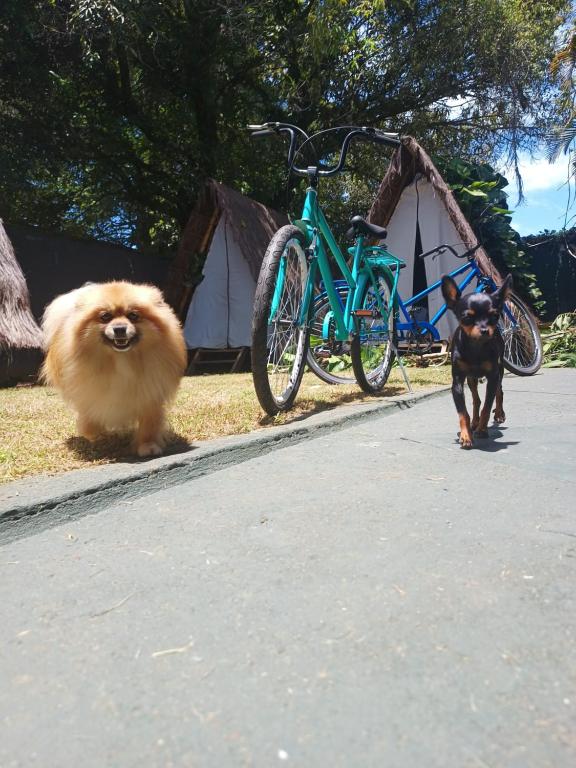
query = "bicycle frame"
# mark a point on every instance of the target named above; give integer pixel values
(411, 325)
(314, 225)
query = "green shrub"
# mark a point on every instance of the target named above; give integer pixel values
(560, 342)
(479, 190)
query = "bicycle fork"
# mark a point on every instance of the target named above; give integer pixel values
(305, 303)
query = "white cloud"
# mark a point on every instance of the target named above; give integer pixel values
(547, 194)
(538, 174)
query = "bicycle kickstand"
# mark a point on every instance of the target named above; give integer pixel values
(403, 369)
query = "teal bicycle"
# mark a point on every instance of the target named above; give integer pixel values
(296, 260)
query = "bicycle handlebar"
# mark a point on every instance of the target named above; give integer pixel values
(268, 129)
(368, 134)
(445, 247)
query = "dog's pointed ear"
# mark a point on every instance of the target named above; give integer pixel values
(501, 294)
(450, 291)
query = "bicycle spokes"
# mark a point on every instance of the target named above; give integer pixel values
(519, 341)
(373, 345)
(286, 335)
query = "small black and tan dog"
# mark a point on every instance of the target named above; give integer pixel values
(477, 352)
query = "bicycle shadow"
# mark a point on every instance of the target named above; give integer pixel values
(308, 407)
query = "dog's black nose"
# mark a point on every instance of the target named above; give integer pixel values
(484, 331)
(120, 331)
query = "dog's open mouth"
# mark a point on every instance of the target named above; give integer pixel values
(121, 344)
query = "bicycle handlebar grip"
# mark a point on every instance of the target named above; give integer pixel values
(262, 132)
(472, 250)
(392, 139)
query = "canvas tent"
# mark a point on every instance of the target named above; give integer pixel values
(420, 212)
(20, 336)
(230, 232)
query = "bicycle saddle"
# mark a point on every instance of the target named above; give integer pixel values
(362, 227)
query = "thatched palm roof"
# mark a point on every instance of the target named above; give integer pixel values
(407, 162)
(252, 224)
(20, 336)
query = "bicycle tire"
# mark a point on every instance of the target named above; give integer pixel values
(279, 347)
(318, 364)
(522, 345)
(373, 346)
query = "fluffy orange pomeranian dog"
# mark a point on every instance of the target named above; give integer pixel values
(116, 353)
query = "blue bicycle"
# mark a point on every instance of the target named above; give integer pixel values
(522, 342)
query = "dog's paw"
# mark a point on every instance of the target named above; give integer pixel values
(466, 440)
(149, 449)
(88, 429)
(499, 416)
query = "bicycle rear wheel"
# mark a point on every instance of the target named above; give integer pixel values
(522, 342)
(279, 343)
(328, 359)
(374, 342)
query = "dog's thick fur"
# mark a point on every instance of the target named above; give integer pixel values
(116, 353)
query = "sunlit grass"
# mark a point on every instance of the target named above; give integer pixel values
(37, 430)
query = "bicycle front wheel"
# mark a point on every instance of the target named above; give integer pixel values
(374, 341)
(522, 342)
(328, 359)
(279, 341)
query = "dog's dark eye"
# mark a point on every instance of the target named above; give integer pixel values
(467, 320)
(133, 316)
(493, 319)
(105, 317)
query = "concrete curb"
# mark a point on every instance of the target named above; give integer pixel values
(30, 506)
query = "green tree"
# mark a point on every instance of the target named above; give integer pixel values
(479, 190)
(563, 70)
(113, 112)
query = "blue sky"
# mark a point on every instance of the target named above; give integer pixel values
(546, 192)
(546, 195)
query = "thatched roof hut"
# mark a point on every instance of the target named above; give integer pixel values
(20, 336)
(407, 163)
(420, 212)
(251, 226)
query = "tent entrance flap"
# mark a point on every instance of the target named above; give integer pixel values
(220, 313)
(420, 212)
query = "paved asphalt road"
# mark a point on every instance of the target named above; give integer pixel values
(374, 597)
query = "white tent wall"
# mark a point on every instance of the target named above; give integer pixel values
(220, 313)
(401, 238)
(419, 203)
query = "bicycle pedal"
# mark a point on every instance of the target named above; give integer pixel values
(365, 313)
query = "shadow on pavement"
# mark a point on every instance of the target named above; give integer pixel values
(488, 445)
(307, 406)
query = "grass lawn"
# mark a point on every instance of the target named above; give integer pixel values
(37, 433)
